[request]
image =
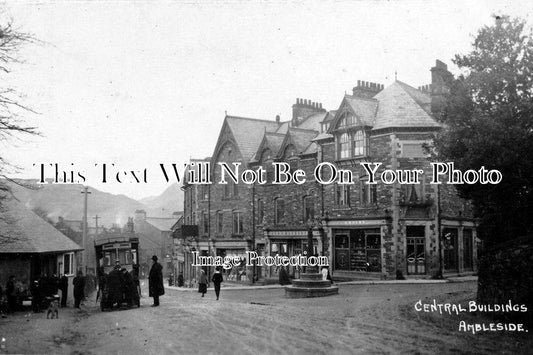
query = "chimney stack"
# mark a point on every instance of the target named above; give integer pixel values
(304, 108)
(367, 89)
(441, 80)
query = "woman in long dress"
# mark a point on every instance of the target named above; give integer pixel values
(202, 283)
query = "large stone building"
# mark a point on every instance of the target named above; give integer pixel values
(367, 230)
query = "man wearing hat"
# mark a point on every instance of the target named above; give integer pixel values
(155, 281)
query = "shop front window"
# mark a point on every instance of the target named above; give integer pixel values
(358, 250)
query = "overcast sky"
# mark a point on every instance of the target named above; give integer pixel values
(138, 83)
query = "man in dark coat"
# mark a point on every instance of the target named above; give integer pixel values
(79, 288)
(135, 276)
(217, 280)
(35, 297)
(63, 286)
(155, 282)
(129, 287)
(115, 286)
(284, 276)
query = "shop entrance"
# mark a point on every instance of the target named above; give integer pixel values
(416, 250)
(450, 249)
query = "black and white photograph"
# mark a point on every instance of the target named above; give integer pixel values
(266, 177)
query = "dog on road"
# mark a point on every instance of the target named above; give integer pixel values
(53, 309)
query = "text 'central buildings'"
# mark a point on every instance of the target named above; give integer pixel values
(366, 231)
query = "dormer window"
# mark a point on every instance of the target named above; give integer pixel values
(347, 120)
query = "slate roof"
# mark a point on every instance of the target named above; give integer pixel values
(161, 223)
(311, 149)
(363, 108)
(274, 141)
(248, 133)
(313, 121)
(330, 116)
(300, 138)
(401, 105)
(284, 127)
(323, 136)
(22, 231)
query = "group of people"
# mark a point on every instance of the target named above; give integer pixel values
(203, 282)
(121, 286)
(157, 289)
(42, 290)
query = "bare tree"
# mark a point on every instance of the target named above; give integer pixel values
(11, 107)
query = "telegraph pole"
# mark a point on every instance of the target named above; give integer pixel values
(253, 232)
(84, 240)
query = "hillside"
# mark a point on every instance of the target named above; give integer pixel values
(67, 201)
(171, 200)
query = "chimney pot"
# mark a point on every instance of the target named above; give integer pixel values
(358, 83)
(277, 119)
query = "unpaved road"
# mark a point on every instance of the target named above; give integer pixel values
(361, 319)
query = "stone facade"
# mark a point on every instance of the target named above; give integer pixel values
(366, 230)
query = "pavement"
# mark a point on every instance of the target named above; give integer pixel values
(233, 286)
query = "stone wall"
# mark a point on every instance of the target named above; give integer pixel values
(506, 273)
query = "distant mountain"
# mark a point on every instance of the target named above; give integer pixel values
(171, 200)
(57, 200)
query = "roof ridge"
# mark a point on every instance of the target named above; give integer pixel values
(251, 119)
(325, 112)
(409, 87)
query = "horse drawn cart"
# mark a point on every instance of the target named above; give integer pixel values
(118, 273)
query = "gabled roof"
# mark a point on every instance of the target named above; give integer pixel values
(330, 116)
(363, 108)
(284, 126)
(271, 141)
(300, 138)
(401, 105)
(22, 231)
(248, 132)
